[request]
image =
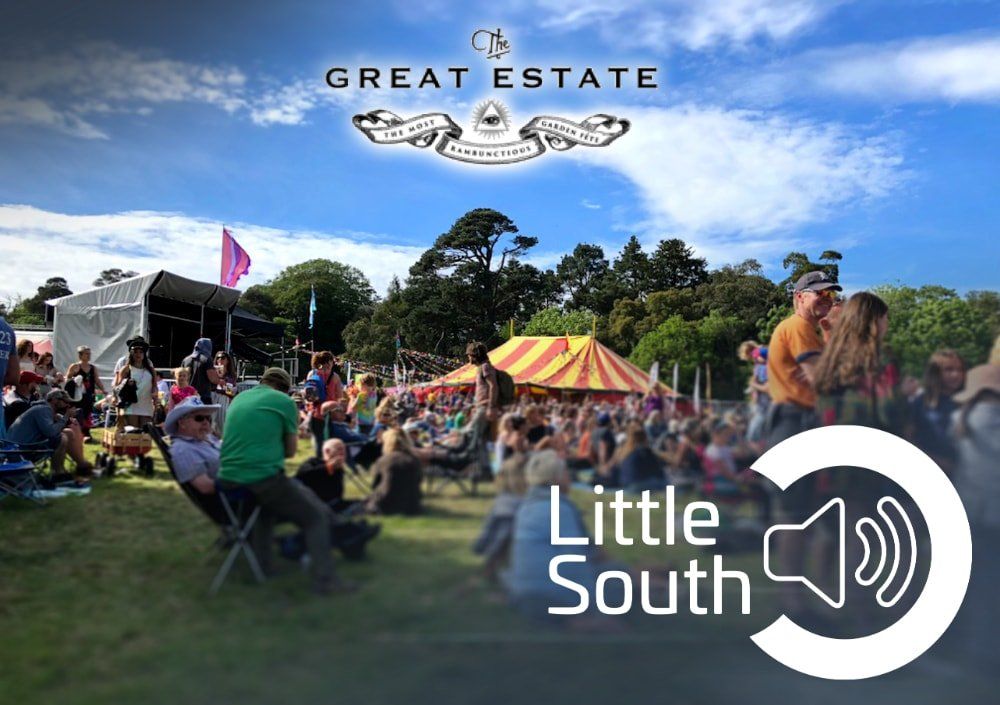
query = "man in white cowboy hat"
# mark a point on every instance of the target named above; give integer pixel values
(194, 448)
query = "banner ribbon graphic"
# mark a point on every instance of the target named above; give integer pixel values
(544, 131)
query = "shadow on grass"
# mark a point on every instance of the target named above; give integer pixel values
(103, 599)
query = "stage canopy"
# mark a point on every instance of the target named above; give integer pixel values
(171, 311)
(575, 363)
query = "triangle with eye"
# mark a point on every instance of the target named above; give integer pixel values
(492, 120)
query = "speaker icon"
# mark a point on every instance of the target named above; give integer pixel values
(868, 570)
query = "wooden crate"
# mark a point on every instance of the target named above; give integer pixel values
(120, 443)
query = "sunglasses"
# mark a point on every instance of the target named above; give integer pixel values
(201, 418)
(824, 294)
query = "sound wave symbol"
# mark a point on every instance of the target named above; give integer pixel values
(863, 528)
(894, 569)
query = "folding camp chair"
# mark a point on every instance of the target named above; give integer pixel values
(20, 465)
(352, 472)
(234, 512)
(464, 465)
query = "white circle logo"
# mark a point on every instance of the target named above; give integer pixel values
(950, 561)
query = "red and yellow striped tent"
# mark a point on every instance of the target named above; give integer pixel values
(575, 363)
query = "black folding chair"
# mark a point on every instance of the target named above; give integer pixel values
(234, 512)
(462, 465)
(352, 471)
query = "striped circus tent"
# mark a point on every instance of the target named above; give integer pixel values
(574, 363)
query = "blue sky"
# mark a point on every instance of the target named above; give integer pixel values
(132, 131)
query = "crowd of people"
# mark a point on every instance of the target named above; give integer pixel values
(825, 364)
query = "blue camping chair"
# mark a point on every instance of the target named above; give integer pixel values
(19, 467)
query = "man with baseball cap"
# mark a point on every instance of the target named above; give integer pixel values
(791, 356)
(19, 397)
(261, 432)
(52, 422)
(792, 352)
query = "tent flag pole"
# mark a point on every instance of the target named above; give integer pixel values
(511, 327)
(593, 328)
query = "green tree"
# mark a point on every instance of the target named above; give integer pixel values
(372, 337)
(583, 275)
(556, 321)
(674, 266)
(342, 293)
(673, 341)
(113, 276)
(986, 304)
(257, 299)
(741, 291)
(631, 271)
(471, 281)
(798, 263)
(31, 311)
(621, 330)
(924, 319)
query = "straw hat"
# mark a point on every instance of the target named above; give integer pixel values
(979, 378)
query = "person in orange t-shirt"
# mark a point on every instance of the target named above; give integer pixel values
(791, 357)
(791, 354)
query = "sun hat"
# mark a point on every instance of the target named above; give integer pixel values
(188, 406)
(978, 379)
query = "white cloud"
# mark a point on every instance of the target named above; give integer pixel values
(64, 90)
(738, 183)
(72, 90)
(38, 244)
(660, 24)
(586, 203)
(955, 68)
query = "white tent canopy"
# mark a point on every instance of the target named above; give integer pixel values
(105, 317)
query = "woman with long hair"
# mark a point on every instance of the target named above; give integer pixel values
(47, 369)
(934, 407)
(226, 389)
(140, 370)
(855, 384)
(26, 353)
(396, 476)
(639, 467)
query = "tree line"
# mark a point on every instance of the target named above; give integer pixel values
(665, 305)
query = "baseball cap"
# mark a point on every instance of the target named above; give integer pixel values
(277, 376)
(816, 281)
(27, 377)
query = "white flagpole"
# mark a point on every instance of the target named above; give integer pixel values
(697, 389)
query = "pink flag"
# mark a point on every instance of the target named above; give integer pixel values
(235, 260)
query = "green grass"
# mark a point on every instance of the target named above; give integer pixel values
(103, 600)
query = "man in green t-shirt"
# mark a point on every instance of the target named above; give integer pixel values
(261, 431)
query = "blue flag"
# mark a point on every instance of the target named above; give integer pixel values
(312, 307)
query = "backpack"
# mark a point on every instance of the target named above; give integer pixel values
(505, 388)
(199, 377)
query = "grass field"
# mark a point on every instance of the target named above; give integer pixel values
(103, 599)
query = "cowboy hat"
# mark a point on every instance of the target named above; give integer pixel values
(188, 406)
